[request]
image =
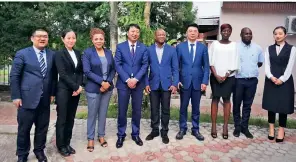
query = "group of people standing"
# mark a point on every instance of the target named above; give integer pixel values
(38, 74)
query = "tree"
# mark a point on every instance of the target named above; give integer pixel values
(172, 16)
(147, 13)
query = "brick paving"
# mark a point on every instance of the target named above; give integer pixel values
(240, 149)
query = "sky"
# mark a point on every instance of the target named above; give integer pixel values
(208, 9)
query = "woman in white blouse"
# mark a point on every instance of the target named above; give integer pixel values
(224, 62)
(278, 94)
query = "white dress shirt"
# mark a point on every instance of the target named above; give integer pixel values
(130, 46)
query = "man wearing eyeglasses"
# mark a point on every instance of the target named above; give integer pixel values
(33, 80)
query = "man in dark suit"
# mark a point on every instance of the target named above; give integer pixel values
(131, 62)
(33, 81)
(163, 80)
(194, 76)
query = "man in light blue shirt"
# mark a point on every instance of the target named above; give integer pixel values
(251, 58)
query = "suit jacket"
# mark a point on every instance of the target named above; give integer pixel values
(70, 77)
(92, 68)
(197, 71)
(127, 66)
(165, 73)
(26, 80)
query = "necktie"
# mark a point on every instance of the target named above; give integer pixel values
(191, 51)
(133, 50)
(42, 63)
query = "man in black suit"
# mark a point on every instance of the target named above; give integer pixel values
(33, 82)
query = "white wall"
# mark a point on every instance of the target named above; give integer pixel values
(262, 25)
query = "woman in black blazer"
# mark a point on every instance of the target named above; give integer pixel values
(69, 66)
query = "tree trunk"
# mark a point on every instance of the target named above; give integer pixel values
(114, 38)
(113, 25)
(147, 13)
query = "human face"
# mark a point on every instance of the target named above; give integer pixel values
(69, 40)
(279, 35)
(160, 36)
(246, 36)
(225, 33)
(133, 34)
(192, 33)
(98, 40)
(40, 39)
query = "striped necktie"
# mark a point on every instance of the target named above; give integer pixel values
(42, 63)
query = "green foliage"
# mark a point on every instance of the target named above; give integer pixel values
(133, 13)
(172, 16)
(19, 19)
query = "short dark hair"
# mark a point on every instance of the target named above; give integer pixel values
(192, 25)
(133, 25)
(224, 26)
(280, 27)
(40, 29)
(64, 33)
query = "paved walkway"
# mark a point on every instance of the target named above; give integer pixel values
(259, 149)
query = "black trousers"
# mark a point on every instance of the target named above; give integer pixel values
(26, 118)
(157, 98)
(66, 111)
(282, 119)
(244, 93)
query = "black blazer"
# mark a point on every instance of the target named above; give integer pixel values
(70, 78)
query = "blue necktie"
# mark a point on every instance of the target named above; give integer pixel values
(133, 50)
(42, 63)
(191, 51)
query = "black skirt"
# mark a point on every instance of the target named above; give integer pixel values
(223, 89)
(279, 98)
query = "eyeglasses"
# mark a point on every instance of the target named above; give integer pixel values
(41, 36)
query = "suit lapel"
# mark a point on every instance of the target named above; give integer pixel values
(48, 61)
(197, 51)
(35, 59)
(187, 53)
(137, 52)
(109, 60)
(164, 53)
(154, 53)
(94, 52)
(69, 57)
(129, 51)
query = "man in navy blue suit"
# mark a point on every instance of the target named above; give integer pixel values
(163, 80)
(194, 76)
(33, 81)
(131, 62)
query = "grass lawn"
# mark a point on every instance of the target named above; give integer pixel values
(205, 118)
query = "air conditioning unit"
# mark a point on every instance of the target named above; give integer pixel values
(291, 24)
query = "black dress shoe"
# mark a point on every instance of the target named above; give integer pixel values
(41, 156)
(247, 133)
(236, 132)
(198, 136)
(71, 150)
(138, 140)
(165, 139)
(22, 159)
(180, 135)
(151, 136)
(64, 151)
(280, 140)
(271, 137)
(119, 142)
